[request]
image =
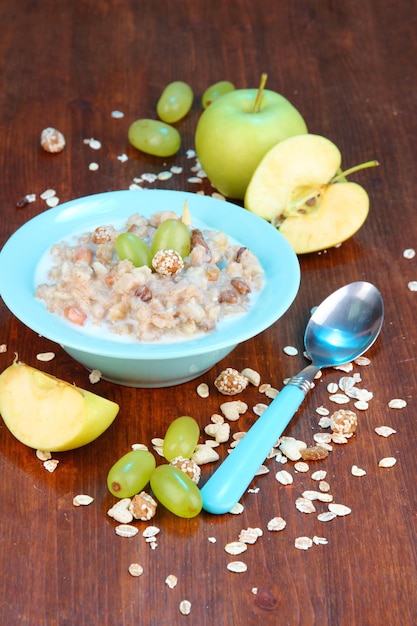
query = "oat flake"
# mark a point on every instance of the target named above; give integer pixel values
(339, 398)
(126, 530)
(82, 500)
(117, 115)
(301, 467)
(238, 567)
(276, 524)
(412, 285)
(235, 547)
(327, 516)
(339, 509)
(93, 167)
(135, 569)
(385, 431)
(171, 581)
(357, 471)
(409, 253)
(388, 461)
(45, 356)
(50, 465)
(397, 403)
(290, 350)
(319, 475)
(284, 477)
(43, 455)
(303, 543)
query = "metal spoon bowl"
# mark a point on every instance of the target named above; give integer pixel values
(341, 329)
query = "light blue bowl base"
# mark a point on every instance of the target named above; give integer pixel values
(153, 373)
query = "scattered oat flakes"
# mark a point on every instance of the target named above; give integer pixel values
(284, 477)
(276, 524)
(164, 175)
(332, 387)
(292, 448)
(301, 467)
(212, 539)
(126, 530)
(310, 494)
(94, 144)
(303, 543)
(319, 475)
(120, 511)
(43, 455)
(236, 547)
(357, 471)
(327, 516)
(250, 535)
(290, 350)
(361, 405)
(93, 167)
(3, 348)
(385, 431)
(321, 410)
(388, 461)
(203, 390)
(237, 509)
(409, 253)
(117, 114)
(45, 356)
(94, 376)
(204, 454)
(232, 410)
(339, 509)
(320, 541)
(254, 590)
(176, 169)
(194, 179)
(135, 569)
(220, 432)
(52, 202)
(238, 567)
(397, 403)
(346, 367)
(82, 500)
(271, 392)
(122, 158)
(259, 408)
(48, 193)
(324, 486)
(412, 285)
(304, 505)
(362, 360)
(50, 465)
(252, 375)
(151, 531)
(339, 398)
(171, 581)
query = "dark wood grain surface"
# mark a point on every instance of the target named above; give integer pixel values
(350, 68)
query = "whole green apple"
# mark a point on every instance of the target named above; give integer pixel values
(235, 132)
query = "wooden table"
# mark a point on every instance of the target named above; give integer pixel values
(350, 69)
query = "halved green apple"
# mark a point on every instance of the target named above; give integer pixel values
(299, 188)
(47, 413)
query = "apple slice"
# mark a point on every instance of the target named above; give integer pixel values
(47, 413)
(298, 187)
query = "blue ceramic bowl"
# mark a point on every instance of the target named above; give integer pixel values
(139, 364)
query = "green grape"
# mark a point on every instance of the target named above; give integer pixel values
(175, 102)
(176, 491)
(154, 137)
(214, 92)
(172, 234)
(129, 246)
(130, 473)
(181, 438)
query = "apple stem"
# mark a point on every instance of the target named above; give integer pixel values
(257, 105)
(354, 169)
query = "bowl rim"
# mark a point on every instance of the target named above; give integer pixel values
(21, 254)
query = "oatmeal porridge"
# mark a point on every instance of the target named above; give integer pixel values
(84, 280)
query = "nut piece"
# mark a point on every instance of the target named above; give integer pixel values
(189, 467)
(230, 382)
(143, 506)
(314, 453)
(343, 421)
(52, 140)
(167, 262)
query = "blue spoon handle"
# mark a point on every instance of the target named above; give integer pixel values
(225, 487)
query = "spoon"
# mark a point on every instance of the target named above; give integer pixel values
(341, 328)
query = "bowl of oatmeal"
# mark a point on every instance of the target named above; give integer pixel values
(163, 318)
